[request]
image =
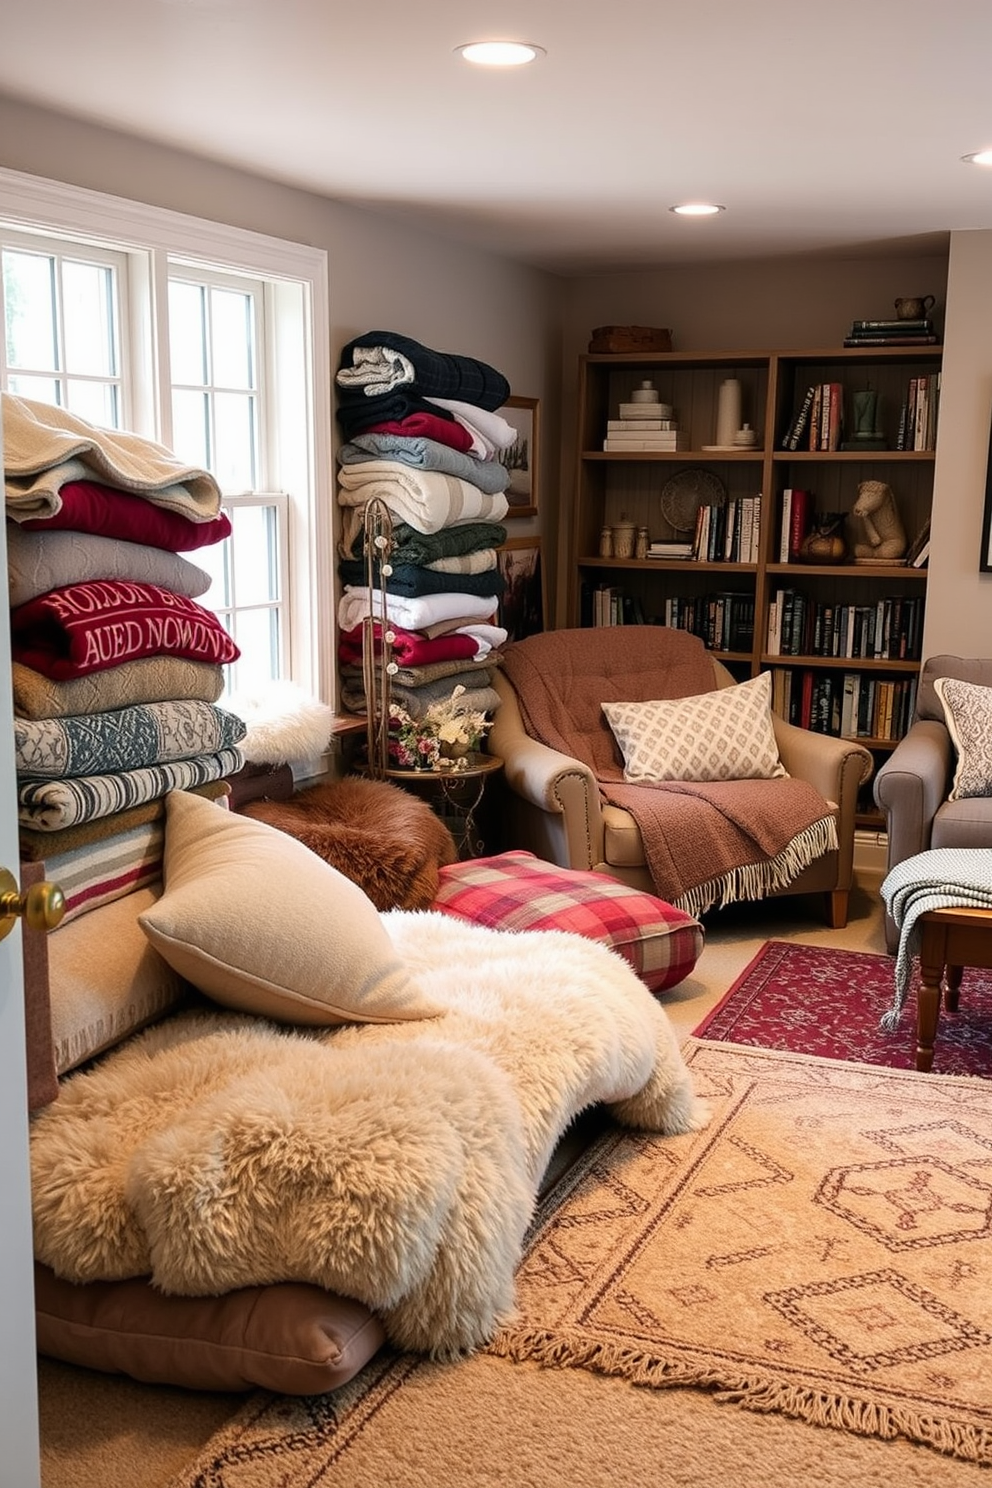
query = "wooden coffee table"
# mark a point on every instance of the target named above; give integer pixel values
(951, 940)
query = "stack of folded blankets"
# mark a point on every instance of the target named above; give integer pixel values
(116, 668)
(423, 436)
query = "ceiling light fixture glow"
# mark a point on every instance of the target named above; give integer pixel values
(978, 157)
(697, 209)
(500, 53)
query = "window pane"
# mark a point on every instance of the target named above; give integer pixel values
(38, 389)
(29, 307)
(190, 428)
(232, 340)
(97, 402)
(187, 337)
(257, 633)
(215, 560)
(88, 319)
(256, 555)
(234, 451)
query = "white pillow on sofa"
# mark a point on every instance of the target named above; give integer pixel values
(259, 923)
(726, 734)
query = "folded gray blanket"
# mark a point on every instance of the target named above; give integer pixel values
(122, 739)
(436, 374)
(40, 561)
(943, 878)
(416, 700)
(426, 454)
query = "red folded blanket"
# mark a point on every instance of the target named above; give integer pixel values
(410, 648)
(84, 628)
(88, 506)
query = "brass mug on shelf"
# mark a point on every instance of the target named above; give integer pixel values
(914, 307)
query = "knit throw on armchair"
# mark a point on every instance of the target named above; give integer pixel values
(704, 844)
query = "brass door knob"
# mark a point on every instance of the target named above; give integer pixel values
(42, 906)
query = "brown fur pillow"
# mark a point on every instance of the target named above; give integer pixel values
(377, 834)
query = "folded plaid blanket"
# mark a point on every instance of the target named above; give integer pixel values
(943, 878)
(123, 739)
(391, 358)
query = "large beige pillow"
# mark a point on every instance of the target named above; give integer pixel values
(259, 923)
(726, 734)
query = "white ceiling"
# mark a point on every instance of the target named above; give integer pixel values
(830, 128)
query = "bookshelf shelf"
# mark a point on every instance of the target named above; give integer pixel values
(614, 487)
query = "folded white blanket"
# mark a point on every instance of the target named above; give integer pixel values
(427, 499)
(40, 561)
(943, 878)
(412, 612)
(44, 447)
(492, 426)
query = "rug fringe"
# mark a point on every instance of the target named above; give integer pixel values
(553, 1350)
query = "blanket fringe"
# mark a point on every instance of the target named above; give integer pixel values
(757, 880)
(550, 1350)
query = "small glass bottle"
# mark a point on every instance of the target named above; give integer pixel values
(606, 543)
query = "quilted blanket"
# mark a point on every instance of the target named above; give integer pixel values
(378, 361)
(394, 1163)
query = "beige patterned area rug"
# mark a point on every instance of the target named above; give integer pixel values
(819, 1255)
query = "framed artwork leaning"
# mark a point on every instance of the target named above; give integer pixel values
(521, 607)
(521, 459)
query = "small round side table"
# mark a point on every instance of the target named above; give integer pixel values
(455, 795)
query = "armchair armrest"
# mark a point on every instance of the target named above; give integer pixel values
(550, 782)
(911, 786)
(836, 767)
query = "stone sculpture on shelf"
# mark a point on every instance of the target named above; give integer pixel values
(878, 532)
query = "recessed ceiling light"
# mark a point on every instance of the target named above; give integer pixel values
(697, 209)
(500, 53)
(979, 157)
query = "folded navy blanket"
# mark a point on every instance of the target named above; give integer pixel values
(408, 579)
(356, 413)
(436, 374)
(425, 548)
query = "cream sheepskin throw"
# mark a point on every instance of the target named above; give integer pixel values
(397, 1164)
(285, 725)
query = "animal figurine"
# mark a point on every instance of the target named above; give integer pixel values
(882, 535)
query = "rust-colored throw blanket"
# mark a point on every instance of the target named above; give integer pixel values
(704, 844)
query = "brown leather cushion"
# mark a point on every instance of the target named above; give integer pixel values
(289, 1336)
(377, 834)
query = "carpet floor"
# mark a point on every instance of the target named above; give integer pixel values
(826, 1002)
(830, 1281)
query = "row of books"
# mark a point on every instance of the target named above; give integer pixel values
(608, 604)
(920, 332)
(891, 629)
(723, 620)
(728, 533)
(918, 415)
(795, 521)
(819, 422)
(849, 705)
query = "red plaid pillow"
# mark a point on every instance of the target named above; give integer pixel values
(518, 891)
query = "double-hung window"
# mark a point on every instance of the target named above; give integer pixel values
(214, 342)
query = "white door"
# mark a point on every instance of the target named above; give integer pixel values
(18, 1372)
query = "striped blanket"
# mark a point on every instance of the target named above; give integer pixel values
(50, 805)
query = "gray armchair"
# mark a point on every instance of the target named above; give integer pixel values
(912, 787)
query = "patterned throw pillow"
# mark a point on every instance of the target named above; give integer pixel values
(518, 891)
(968, 714)
(726, 734)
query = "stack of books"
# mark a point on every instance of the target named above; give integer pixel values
(892, 333)
(643, 426)
(819, 419)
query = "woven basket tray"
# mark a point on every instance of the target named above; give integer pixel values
(630, 338)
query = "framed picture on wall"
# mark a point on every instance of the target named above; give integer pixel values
(521, 458)
(985, 555)
(521, 607)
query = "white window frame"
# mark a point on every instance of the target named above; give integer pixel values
(297, 342)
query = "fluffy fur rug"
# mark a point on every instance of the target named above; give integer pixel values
(397, 1164)
(375, 833)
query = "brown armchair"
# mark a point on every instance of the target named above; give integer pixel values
(555, 807)
(912, 787)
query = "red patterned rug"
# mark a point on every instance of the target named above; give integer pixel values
(814, 1000)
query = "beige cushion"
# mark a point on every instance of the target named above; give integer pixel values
(722, 735)
(259, 923)
(968, 715)
(105, 980)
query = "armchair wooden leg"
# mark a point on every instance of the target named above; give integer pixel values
(837, 901)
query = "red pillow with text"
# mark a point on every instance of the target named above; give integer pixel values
(518, 891)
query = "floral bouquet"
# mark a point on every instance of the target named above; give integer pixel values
(443, 739)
